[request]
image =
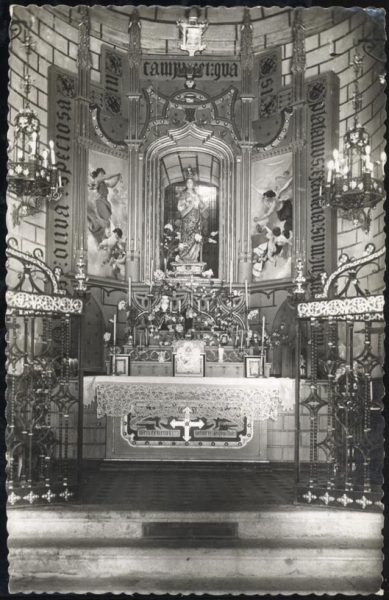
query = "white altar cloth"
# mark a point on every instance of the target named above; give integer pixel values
(262, 398)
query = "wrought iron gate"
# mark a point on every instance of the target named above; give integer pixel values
(339, 426)
(43, 354)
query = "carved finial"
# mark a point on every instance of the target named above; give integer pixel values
(83, 56)
(246, 41)
(298, 58)
(134, 39)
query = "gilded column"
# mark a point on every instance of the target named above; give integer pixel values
(82, 124)
(243, 199)
(299, 135)
(133, 142)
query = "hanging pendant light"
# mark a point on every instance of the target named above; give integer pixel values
(33, 175)
(354, 184)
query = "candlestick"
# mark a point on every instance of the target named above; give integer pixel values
(114, 331)
(263, 336)
(52, 152)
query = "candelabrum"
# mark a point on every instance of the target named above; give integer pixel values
(354, 183)
(33, 176)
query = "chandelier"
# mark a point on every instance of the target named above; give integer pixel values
(33, 175)
(354, 184)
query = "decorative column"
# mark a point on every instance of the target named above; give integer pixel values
(134, 163)
(244, 162)
(299, 136)
(82, 117)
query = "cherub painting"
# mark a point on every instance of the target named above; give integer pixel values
(107, 218)
(272, 236)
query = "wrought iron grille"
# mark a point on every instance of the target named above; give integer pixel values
(42, 382)
(339, 426)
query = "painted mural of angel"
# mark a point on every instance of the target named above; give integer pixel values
(279, 204)
(115, 248)
(99, 207)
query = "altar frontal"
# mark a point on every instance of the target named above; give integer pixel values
(168, 412)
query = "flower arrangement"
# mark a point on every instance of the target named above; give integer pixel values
(171, 242)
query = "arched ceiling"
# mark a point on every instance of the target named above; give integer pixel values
(204, 165)
(271, 26)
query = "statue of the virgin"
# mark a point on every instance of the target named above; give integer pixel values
(190, 207)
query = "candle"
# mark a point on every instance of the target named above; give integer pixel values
(34, 137)
(151, 275)
(114, 330)
(59, 180)
(383, 161)
(129, 291)
(52, 152)
(231, 276)
(336, 160)
(246, 293)
(330, 166)
(45, 155)
(165, 264)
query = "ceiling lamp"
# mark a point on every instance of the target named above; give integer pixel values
(33, 175)
(354, 184)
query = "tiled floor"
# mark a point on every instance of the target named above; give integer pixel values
(189, 487)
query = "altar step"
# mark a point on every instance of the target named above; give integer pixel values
(285, 550)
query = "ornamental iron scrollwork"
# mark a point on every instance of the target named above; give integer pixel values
(341, 431)
(42, 382)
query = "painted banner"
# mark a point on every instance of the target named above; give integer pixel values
(322, 95)
(267, 85)
(61, 129)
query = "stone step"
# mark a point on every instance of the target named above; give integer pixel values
(288, 523)
(288, 549)
(144, 568)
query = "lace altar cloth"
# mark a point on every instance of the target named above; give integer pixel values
(262, 399)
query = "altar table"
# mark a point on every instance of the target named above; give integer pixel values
(187, 418)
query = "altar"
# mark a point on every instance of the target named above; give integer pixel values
(179, 418)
